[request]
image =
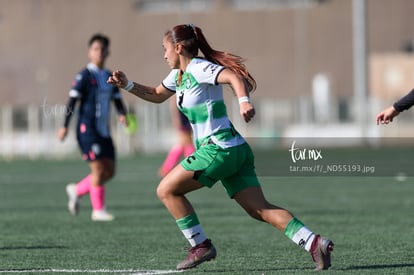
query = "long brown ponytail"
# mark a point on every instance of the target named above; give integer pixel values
(193, 39)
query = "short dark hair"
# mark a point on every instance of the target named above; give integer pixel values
(101, 38)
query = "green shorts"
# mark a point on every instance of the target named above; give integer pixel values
(233, 166)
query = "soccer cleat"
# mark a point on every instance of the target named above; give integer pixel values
(73, 203)
(102, 216)
(321, 249)
(198, 254)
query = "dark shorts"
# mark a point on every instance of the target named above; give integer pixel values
(95, 147)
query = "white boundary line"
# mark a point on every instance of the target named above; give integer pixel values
(122, 271)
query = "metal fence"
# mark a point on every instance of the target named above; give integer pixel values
(30, 131)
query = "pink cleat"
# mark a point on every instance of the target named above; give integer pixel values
(321, 252)
(200, 253)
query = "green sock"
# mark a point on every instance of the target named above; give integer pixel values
(299, 234)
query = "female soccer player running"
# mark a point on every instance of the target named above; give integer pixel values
(222, 153)
(95, 142)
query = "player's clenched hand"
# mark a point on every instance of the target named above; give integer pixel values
(247, 111)
(387, 115)
(62, 133)
(123, 120)
(118, 79)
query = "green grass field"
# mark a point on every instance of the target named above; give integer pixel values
(369, 218)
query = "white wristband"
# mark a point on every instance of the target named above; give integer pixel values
(244, 99)
(129, 86)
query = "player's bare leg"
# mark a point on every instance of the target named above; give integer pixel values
(253, 201)
(171, 191)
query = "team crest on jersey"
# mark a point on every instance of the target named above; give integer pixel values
(188, 83)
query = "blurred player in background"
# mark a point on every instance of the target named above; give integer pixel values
(387, 115)
(93, 133)
(184, 147)
(222, 153)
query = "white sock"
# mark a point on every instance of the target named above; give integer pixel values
(300, 234)
(195, 235)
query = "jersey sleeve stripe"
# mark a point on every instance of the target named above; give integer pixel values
(167, 88)
(217, 75)
(74, 93)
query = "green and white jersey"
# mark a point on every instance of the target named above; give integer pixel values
(200, 98)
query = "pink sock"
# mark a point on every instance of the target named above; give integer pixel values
(83, 186)
(188, 150)
(97, 195)
(172, 158)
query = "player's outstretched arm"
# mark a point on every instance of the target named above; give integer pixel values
(156, 95)
(387, 115)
